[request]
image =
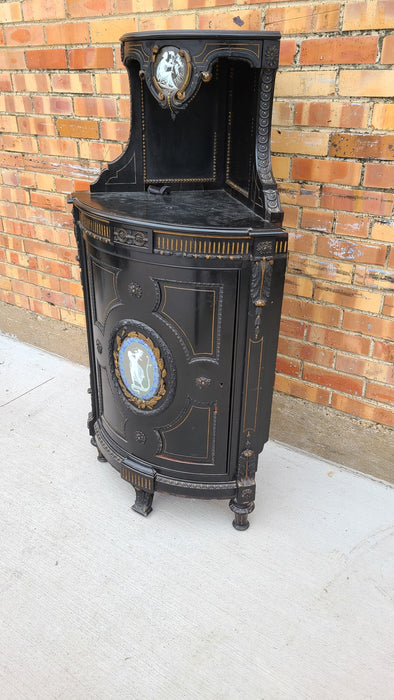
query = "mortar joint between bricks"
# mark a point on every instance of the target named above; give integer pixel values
(263, 16)
(380, 313)
(296, 59)
(371, 349)
(353, 274)
(362, 173)
(341, 16)
(380, 48)
(348, 33)
(338, 72)
(334, 223)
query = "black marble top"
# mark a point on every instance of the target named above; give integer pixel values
(212, 210)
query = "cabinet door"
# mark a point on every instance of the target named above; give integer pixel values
(168, 329)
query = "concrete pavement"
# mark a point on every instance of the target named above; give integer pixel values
(97, 602)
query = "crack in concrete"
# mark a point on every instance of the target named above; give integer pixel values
(26, 392)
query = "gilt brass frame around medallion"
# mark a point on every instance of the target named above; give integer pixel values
(142, 404)
(166, 94)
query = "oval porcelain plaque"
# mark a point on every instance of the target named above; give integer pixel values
(138, 368)
(172, 69)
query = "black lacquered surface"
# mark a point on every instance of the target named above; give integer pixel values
(196, 34)
(205, 209)
(183, 291)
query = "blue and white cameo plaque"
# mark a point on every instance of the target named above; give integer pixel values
(139, 368)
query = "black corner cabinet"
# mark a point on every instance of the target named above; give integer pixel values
(183, 260)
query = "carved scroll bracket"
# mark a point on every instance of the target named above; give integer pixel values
(267, 194)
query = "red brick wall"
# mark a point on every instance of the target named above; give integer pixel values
(64, 113)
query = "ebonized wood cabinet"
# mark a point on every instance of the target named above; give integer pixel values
(182, 260)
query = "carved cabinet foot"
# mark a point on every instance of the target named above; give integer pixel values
(100, 455)
(241, 513)
(143, 502)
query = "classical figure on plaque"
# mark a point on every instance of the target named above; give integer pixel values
(171, 70)
(137, 369)
(140, 382)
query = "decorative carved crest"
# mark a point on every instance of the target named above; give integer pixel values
(173, 74)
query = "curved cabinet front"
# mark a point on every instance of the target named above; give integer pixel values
(182, 329)
(164, 357)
